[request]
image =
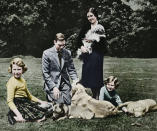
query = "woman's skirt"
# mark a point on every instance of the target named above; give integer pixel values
(29, 110)
(92, 70)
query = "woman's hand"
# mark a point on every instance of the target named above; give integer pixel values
(83, 49)
(86, 40)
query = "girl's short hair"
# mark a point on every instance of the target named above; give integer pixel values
(112, 79)
(19, 62)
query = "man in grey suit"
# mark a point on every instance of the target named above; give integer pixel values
(57, 66)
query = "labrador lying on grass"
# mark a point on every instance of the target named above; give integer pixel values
(140, 107)
(86, 107)
(83, 106)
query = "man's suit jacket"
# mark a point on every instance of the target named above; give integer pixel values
(53, 71)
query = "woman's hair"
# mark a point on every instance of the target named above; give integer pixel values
(112, 79)
(19, 62)
(94, 11)
(83, 31)
(86, 25)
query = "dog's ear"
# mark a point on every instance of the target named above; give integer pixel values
(154, 108)
(124, 104)
(57, 108)
(61, 106)
(76, 88)
(66, 109)
(73, 91)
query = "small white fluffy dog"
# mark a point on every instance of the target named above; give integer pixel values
(94, 34)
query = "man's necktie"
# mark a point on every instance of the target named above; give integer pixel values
(60, 57)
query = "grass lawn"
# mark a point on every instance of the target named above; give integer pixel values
(138, 79)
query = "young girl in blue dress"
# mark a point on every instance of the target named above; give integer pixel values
(108, 92)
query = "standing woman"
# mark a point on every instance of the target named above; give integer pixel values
(92, 34)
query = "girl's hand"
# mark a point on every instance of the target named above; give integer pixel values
(83, 49)
(19, 118)
(43, 102)
(124, 109)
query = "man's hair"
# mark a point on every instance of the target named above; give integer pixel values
(59, 36)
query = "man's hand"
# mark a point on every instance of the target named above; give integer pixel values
(56, 92)
(74, 83)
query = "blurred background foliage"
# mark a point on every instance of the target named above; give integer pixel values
(27, 27)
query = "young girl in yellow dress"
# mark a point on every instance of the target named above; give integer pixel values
(23, 105)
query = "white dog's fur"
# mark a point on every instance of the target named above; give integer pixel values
(94, 34)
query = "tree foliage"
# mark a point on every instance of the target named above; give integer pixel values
(28, 27)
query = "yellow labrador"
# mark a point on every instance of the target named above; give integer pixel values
(83, 106)
(140, 107)
(86, 107)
